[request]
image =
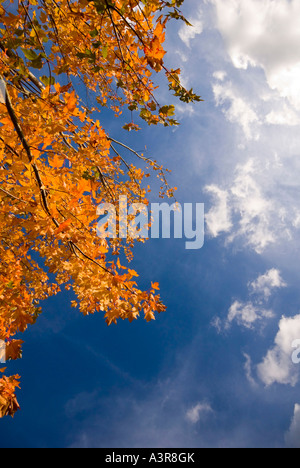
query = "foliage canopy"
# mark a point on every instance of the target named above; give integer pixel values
(57, 163)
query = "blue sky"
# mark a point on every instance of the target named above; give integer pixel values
(216, 369)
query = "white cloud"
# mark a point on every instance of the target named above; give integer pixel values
(246, 314)
(256, 211)
(235, 107)
(292, 437)
(264, 284)
(259, 93)
(277, 366)
(248, 370)
(258, 218)
(198, 411)
(216, 322)
(188, 33)
(218, 218)
(219, 75)
(256, 205)
(266, 34)
(283, 115)
(185, 110)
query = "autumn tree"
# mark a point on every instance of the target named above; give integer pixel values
(61, 63)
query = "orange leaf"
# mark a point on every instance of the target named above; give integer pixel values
(63, 226)
(71, 104)
(133, 273)
(13, 349)
(57, 163)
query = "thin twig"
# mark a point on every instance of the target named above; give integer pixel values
(12, 196)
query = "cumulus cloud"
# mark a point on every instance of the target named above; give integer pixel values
(254, 208)
(292, 437)
(257, 205)
(258, 218)
(266, 34)
(277, 365)
(257, 202)
(198, 411)
(258, 91)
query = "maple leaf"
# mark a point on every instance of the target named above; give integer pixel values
(133, 273)
(63, 226)
(71, 102)
(13, 349)
(8, 401)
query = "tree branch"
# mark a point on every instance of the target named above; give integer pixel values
(26, 147)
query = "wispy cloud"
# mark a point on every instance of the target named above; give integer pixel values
(188, 33)
(160, 413)
(265, 284)
(255, 308)
(236, 107)
(248, 370)
(247, 314)
(197, 412)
